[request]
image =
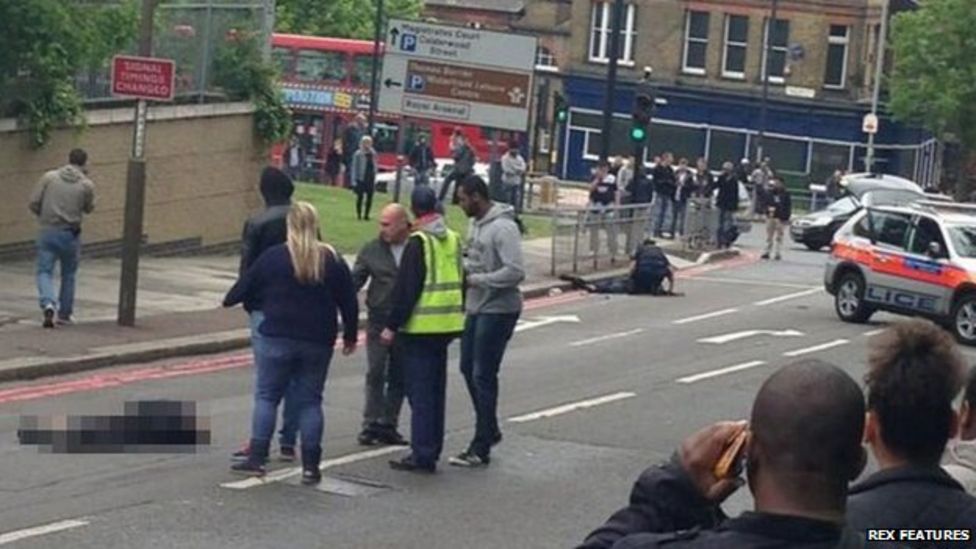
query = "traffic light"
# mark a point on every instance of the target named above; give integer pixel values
(642, 112)
(561, 107)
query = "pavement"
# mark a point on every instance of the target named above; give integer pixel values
(178, 312)
(594, 389)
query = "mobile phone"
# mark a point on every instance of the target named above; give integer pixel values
(725, 466)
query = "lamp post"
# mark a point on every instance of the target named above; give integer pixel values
(616, 23)
(763, 107)
(878, 73)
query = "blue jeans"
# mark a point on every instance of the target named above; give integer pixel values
(482, 348)
(425, 375)
(726, 220)
(57, 246)
(282, 362)
(289, 421)
(678, 210)
(662, 203)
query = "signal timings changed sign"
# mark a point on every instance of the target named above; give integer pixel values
(458, 74)
(143, 77)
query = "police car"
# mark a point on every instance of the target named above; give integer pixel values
(915, 260)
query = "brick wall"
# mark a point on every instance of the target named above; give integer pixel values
(203, 163)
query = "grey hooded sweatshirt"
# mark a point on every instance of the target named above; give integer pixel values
(493, 263)
(959, 460)
(62, 197)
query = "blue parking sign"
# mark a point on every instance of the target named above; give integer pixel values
(408, 42)
(416, 82)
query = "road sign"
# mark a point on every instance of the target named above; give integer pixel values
(143, 77)
(470, 76)
(870, 124)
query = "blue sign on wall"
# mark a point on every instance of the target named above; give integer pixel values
(318, 98)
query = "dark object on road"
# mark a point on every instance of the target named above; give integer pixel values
(804, 447)
(650, 274)
(148, 426)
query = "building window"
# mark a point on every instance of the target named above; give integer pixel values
(736, 42)
(837, 40)
(776, 44)
(696, 42)
(545, 60)
(600, 35)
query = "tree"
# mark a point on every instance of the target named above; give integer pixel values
(933, 83)
(338, 18)
(44, 44)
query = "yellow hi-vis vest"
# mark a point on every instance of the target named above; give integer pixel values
(440, 309)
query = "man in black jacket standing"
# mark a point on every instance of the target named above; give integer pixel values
(665, 186)
(778, 209)
(914, 373)
(262, 231)
(727, 202)
(803, 447)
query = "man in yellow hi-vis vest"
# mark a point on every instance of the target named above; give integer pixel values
(428, 313)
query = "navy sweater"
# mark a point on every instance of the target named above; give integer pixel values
(293, 310)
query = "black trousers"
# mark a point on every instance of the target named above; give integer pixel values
(365, 191)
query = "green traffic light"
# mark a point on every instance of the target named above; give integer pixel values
(638, 134)
(561, 115)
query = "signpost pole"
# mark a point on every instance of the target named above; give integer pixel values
(876, 90)
(616, 19)
(374, 88)
(135, 187)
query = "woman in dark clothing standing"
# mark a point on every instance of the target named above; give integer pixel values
(302, 285)
(364, 176)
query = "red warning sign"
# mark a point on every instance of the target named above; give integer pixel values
(143, 77)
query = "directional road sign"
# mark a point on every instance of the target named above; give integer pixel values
(460, 74)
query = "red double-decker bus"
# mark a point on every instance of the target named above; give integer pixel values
(326, 83)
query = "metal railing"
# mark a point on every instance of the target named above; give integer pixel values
(594, 238)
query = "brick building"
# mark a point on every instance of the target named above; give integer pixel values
(708, 58)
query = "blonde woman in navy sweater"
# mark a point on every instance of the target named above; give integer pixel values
(302, 286)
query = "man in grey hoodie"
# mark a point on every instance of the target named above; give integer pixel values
(493, 270)
(60, 200)
(959, 459)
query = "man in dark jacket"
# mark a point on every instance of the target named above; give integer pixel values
(665, 185)
(262, 231)
(427, 314)
(727, 202)
(464, 159)
(778, 208)
(803, 447)
(649, 268)
(377, 263)
(914, 373)
(352, 135)
(422, 161)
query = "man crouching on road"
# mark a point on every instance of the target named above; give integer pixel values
(803, 446)
(649, 269)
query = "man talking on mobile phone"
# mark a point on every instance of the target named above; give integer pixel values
(802, 449)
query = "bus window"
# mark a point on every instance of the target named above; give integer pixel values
(314, 65)
(282, 58)
(385, 137)
(362, 70)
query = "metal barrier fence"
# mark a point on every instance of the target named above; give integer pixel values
(589, 239)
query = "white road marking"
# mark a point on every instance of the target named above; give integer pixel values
(787, 297)
(726, 338)
(17, 535)
(705, 316)
(545, 321)
(721, 371)
(815, 348)
(573, 406)
(607, 337)
(749, 282)
(873, 333)
(282, 474)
